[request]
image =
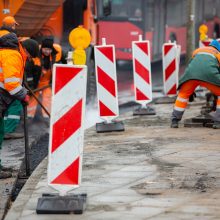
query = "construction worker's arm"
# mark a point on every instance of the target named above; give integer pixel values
(12, 70)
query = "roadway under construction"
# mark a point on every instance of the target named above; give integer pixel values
(149, 171)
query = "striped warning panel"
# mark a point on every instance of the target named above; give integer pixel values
(142, 71)
(170, 68)
(66, 126)
(106, 81)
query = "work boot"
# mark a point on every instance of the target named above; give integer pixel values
(5, 175)
(174, 123)
(216, 125)
(14, 135)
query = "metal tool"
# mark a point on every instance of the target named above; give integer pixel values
(39, 102)
(27, 155)
(42, 88)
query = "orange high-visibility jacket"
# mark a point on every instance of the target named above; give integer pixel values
(46, 72)
(12, 60)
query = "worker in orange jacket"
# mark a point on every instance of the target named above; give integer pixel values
(13, 113)
(49, 54)
(13, 56)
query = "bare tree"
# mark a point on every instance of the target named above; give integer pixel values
(190, 28)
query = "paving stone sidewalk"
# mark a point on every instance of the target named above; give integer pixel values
(149, 171)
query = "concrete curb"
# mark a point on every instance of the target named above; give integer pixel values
(8, 185)
(26, 192)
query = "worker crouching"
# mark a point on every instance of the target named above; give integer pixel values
(203, 70)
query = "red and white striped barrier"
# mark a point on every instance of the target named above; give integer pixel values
(106, 81)
(66, 127)
(142, 71)
(171, 57)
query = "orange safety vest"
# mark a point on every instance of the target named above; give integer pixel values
(45, 78)
(208, 50)
(11, 68)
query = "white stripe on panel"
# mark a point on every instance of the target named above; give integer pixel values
(144, 87)
(107, 99)
(142, 57)
(171, 81)
(68, 96)
(105, 64)
(169, 57)
(64, 156)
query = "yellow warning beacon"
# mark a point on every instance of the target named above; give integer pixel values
(79, 39)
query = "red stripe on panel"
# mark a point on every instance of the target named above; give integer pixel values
(107, 82)
(70, 175)
(140, 95)
(172, 91)
(170, 69)
(104, 110)
(64, 75)
(67, 125)
(142, 71)
(107, 51)
(143, 46)
(167, 48)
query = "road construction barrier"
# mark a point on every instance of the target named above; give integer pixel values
(106, 80)
(171, 60)
(142, 71)
(206, 43)
(66, 127)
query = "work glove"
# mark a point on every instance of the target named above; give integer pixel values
(192, 97)
(26, 100)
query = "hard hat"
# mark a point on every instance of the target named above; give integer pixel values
(9, 20)
(215, 44)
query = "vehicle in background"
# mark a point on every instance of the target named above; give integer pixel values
(119, 21)
(156, 20)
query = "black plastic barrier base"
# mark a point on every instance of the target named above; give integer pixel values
(55, 204)
(165, 100)
(199, 121)
(108, 127)
(144, 111)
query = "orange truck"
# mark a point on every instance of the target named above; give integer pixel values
(35, 17)
(55, 17)
(158, 21)
(38, 18)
